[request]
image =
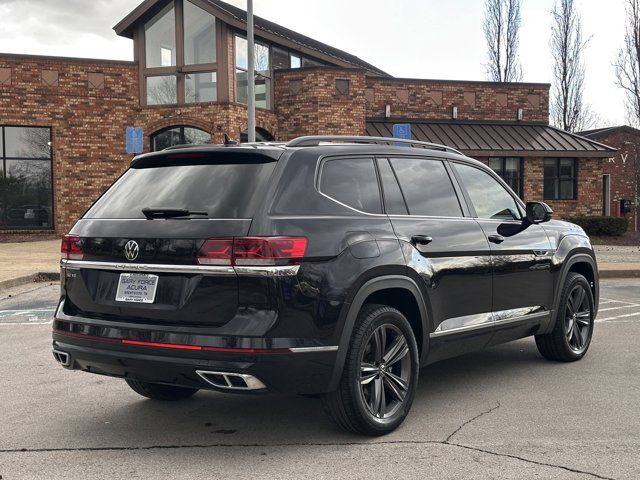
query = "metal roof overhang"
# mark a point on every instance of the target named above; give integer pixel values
(499, 139)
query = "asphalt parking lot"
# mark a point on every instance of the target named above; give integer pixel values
(502, 413)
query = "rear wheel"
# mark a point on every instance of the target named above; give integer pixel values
(571, 335)
(157, 391)
(380, 374)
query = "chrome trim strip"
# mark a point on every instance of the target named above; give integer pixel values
(252, 271)
(268, 271)
(503, 321)
(328, 348)
(148, 267)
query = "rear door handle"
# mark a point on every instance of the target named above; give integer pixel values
(496, 238)
(421, 240)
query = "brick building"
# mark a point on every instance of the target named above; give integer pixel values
(63, 120)
(621, 171)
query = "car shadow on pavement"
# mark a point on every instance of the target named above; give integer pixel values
(211, 418)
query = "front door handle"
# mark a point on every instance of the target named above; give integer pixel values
(421, 240)
(496, 238)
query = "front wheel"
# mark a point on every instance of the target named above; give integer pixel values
(157, 391)
(380, 374)
(571, 336)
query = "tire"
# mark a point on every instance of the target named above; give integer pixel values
(571, 335)
(157, 391)
(353, 406)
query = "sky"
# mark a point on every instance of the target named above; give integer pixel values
(407, 38)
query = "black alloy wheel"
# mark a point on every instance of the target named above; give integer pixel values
(571, 336)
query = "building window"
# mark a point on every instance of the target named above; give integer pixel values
(26, 200)
(178, 135)
(180, 70)
(160, 39)
(510, 170)
(342, 87)
(283, 59)
(262, 70)
(560, 178)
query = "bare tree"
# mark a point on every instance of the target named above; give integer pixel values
(569, 111)
(502, 33)
(627, 64)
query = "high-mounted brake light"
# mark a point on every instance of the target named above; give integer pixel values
(252, 251)
(71, 248)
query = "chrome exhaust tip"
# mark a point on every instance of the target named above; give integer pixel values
(231, 381)
(63, 358)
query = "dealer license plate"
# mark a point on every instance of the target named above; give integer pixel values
(136, 288)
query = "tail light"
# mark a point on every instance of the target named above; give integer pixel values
(71, 247)
(252, 251)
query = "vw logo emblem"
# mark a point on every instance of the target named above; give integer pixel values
(131, 250)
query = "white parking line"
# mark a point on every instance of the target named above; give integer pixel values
(617, 308)
(619, 301)
(3, 324)
(637, 314)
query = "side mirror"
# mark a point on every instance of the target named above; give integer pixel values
(538, 212)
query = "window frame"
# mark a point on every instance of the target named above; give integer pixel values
(4, 158)
(464, 212)
(503, 165)
(318, 177)
(180, 70)
(235, 68)
(557, 179)
(467, 199)
(181, 129)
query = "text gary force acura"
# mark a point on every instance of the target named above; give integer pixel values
(328, 266)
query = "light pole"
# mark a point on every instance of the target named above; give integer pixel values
(251, 101)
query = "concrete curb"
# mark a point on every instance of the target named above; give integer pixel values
(32, 278)
(619, 273)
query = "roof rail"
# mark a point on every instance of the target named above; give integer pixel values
(315, 140)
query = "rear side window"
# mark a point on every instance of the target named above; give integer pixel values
(223, 190)
(489, 198)
(393, 200)
(427, 187)
(353, 182)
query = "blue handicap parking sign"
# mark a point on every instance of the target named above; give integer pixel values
(402, 130)
(134, 140)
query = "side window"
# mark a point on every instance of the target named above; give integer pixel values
(489, 198)
(352, 181)
(393, 200)
(427, 187)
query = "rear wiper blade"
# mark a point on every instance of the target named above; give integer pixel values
(152, 213)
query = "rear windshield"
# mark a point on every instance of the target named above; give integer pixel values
(224, 190)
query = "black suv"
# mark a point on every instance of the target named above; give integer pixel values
(328, 266)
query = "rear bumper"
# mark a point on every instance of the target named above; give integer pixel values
(284, 365)
(308, 372)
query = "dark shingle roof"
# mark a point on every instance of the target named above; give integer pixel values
(498, 139)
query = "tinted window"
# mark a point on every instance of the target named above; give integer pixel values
(25, 178)
(393, 201)
(229, 190)
(560, 178)
(489, 198)
(352, 181)
(427, 187)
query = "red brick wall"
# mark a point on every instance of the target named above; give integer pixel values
(624, 168)
(435, 99)
(307, 102)
(88, 124)
(589, 201)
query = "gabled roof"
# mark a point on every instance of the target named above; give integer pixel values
(498, 138)
(264, 28)
(606, 131)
